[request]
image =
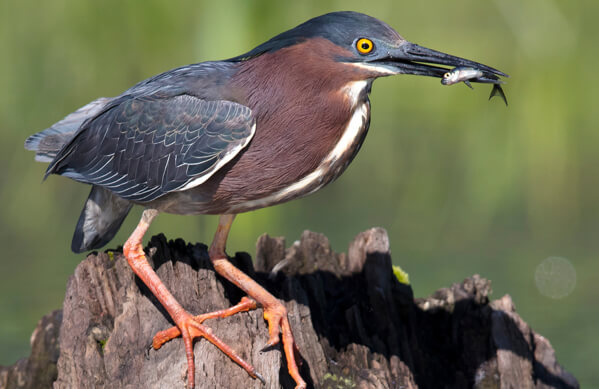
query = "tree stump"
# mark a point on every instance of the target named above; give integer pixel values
(355, 324)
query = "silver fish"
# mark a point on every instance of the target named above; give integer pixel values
(461, 74)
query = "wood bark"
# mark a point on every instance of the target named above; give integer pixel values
(355, 324)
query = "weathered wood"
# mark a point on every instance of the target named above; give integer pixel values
(355, 324)
(39, 370)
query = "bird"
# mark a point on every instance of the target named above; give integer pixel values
(227, 137)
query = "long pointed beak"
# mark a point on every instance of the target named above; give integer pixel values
(409, 58)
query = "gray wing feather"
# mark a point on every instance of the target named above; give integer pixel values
(47, 143)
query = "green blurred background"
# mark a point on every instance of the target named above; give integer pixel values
(462, 185)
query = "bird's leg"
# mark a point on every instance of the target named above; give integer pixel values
(275, 312)
(189, 327)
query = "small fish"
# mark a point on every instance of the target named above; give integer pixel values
(498, 91)
(461, 74)
(465, 74)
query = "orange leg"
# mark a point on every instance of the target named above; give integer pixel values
(188, 326)
(275, 313)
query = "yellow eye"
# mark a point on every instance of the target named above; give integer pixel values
(364, 45)
(446, 75)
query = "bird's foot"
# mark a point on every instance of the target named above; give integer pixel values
(278, 324)
(190, 327)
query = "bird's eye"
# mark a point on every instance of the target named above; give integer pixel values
(364, 45)
(446, 75)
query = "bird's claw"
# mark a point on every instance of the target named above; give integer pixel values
(270, 344)
(259, 376)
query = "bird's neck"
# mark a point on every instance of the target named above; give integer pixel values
(304, 74)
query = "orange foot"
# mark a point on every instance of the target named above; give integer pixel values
(278, 324)
(191, 327)
(276, 315)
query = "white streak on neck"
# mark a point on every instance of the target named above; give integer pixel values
(380, 69)
(355, 125)
(353, 90)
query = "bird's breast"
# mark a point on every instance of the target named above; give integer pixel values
(339, 156)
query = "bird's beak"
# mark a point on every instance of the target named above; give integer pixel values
(409, 58)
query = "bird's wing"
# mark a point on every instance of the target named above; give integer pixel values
(142, 148)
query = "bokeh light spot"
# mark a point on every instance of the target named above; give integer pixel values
(555, 277)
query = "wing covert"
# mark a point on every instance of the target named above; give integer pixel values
(143, 148)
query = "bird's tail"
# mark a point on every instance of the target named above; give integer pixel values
(100, 219)
(50, 141)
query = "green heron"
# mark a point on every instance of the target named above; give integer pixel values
(271, 125)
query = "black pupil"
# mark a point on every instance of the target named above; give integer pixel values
(365, 45)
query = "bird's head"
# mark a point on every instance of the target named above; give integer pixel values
(363, 46)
